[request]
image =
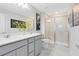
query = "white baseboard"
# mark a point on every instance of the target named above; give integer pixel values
(60, 43)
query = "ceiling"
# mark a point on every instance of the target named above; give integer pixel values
(14, 8)
(48, 8)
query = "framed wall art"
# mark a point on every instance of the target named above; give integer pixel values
(37, 21)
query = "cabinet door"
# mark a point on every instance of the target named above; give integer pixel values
(38, 47)
(31, 47)
(22, 51)
(13, 53)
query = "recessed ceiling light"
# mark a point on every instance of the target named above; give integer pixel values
(23, 5)
(48, 21)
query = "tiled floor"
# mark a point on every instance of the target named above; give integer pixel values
(54, 50)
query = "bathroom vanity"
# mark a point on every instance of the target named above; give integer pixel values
(21, 45)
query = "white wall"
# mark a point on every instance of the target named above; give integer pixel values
(42, 24)
(2, 23)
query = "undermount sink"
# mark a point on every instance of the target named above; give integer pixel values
(15, 36)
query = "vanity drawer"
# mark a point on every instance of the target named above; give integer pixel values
(30, 40)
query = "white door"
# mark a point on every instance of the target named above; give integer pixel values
(61, 30)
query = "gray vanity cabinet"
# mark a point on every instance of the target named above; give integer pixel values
(25, 47)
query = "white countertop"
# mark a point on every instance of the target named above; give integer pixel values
(4, 41)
